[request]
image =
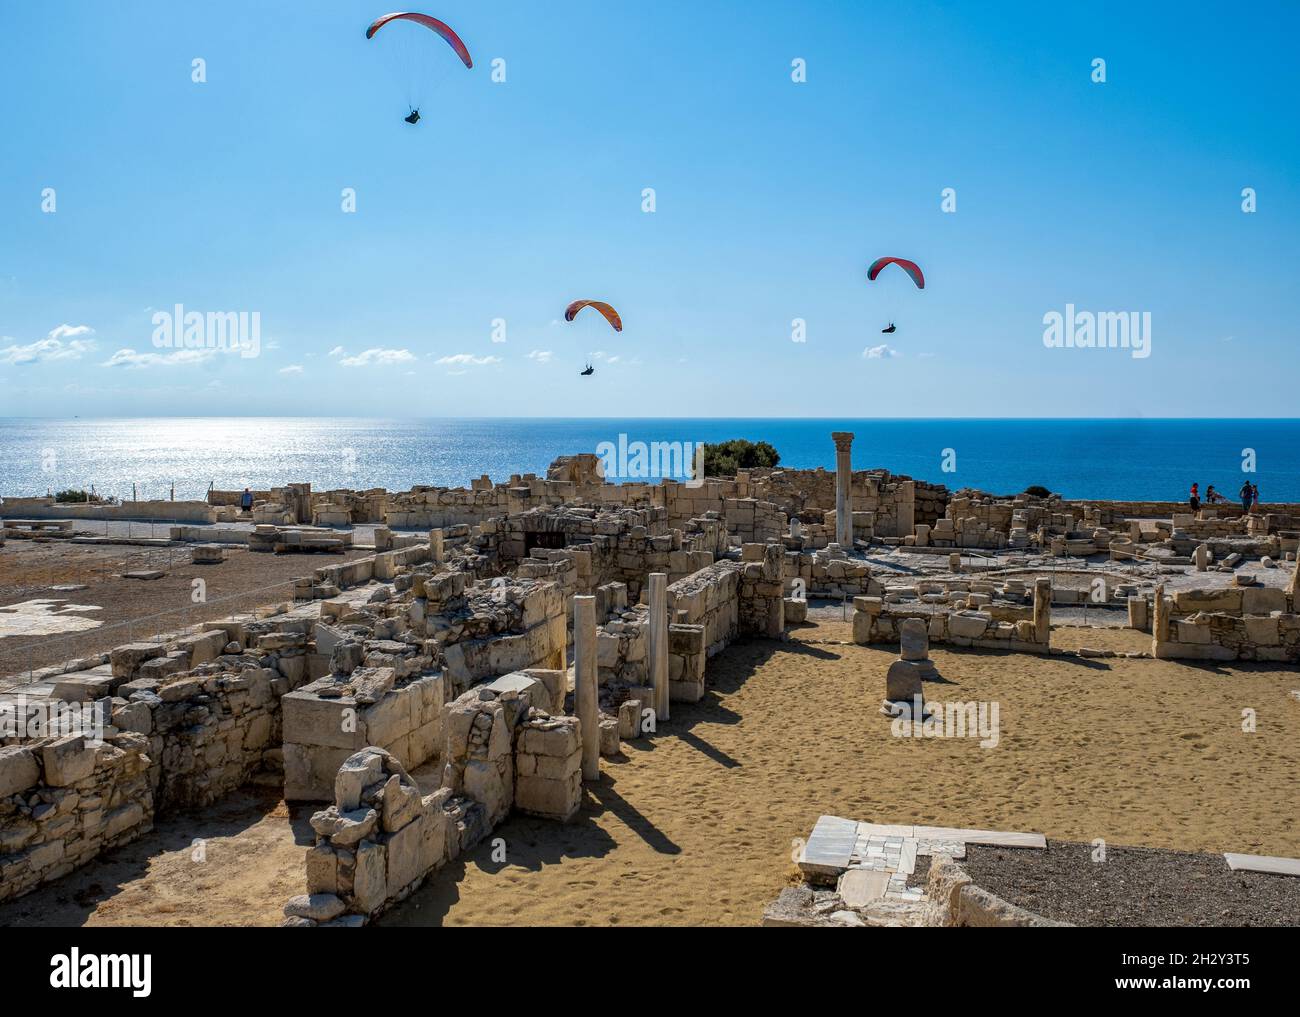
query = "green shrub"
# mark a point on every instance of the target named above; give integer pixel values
(725, 458)
(70, 496)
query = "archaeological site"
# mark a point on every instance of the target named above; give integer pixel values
(788, 697)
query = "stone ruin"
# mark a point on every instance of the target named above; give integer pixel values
(422, 691)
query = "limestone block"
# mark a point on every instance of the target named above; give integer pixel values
(484, 782)
(18, 770)
(1190, 601)
(359, 771)
(406, 853)
(914, 639)
(204, 647)
(1263, 600)
(554, 799)
(369, 878)
(320, 907)
(309, 771)
(122, 819)
(968, 624)
(1191, 632)
(401, 804)
(126, 659)
(609, 736)
(311, 720)
(322, 869)
(629, 719)
(903, 679)
(67, 760)
(1262, 631)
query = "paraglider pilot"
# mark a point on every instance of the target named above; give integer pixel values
(413, 117)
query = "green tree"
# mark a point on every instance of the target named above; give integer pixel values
(725, 458)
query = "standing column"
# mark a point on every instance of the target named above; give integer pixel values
(1159, 621)
(843, 489)
(585, 702)
(658, 650)
(1042, 610)
(436, 550)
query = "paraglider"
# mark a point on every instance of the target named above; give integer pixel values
(605, 309)
(912, 269)
(413, 53)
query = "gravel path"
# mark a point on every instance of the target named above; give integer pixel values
(1134, 886)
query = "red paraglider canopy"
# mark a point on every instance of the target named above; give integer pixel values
(453, 40)
(610, 314)
(910, 267)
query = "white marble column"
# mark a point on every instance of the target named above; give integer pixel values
(586, 704)
(657, 653)
(843, 489)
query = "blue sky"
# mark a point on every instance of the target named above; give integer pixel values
(511, 199)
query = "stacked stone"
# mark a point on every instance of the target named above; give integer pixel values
(762, 593)
(826, 575)
(479, 760)
(63, 801)
(375, 844)
(903, 680)
(548, 763)
(327, 720)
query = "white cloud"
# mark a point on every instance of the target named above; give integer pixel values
(378, 356)
(467, 360)
(541, 356)
(291, 369)
(336, 351)
(65, 342)
(177, 358)
(880, 352)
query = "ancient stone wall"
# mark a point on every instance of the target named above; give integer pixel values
(1235, 623)
(381, 838)
(63, 802)
(977, 619)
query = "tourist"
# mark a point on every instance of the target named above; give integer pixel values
(1195, 499)
(1245, 492)
(1254, 497)
(246, 500)
(1213, 497)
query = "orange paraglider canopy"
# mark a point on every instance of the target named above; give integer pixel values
(443, 29)
(610, 314)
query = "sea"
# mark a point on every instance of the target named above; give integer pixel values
(156, 457)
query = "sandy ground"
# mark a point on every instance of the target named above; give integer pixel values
(697, 824)
(132, 609)
(248, 862)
